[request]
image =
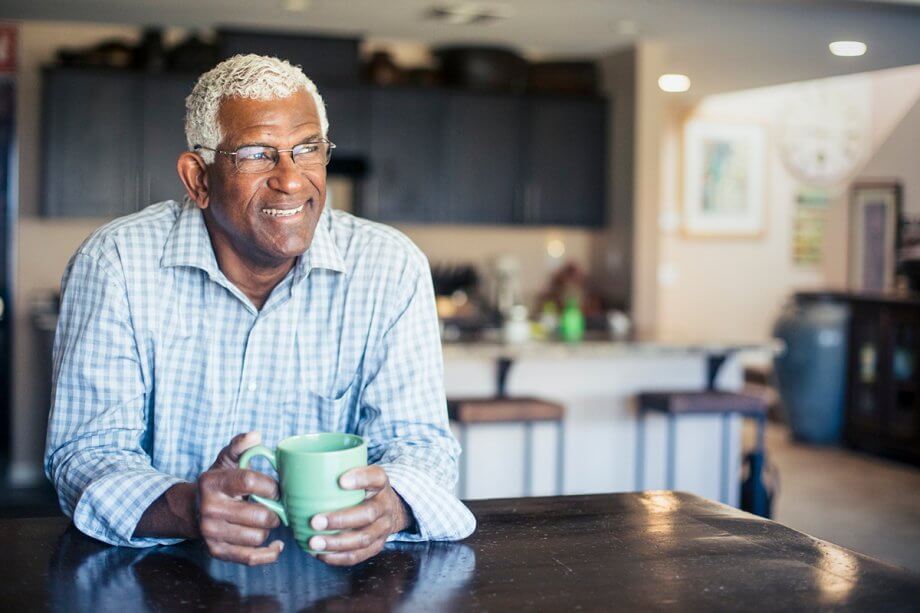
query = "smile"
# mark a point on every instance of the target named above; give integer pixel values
(283, 212)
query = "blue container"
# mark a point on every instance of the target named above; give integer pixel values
(811, 372)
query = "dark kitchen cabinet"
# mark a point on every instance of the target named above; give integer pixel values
(348, 110)
(564, 162)
(91, 142)
(111, 140)
(482, 157)
(163, 138)
(406, 183)
(883, 378)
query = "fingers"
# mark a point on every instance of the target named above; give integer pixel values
(217, 530)
(229, 456)
(355, 517)
(353, 540)
(246, 482)
(249, 514)
(241, 554)
(364, 478)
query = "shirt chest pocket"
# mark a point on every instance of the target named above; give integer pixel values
(307, 411)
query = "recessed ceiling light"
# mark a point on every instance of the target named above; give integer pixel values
(847, 48)
(674, 83)
(295, 6)
(467, 13)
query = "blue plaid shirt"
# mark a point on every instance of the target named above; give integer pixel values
(159, 360)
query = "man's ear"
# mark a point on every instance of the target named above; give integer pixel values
(194, 174)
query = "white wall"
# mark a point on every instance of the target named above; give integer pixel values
(732, 289)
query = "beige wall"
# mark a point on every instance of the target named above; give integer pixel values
(732, 289)
(45, 245)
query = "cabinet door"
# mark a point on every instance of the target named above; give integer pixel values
(348, 111)
(91, 140)
(565, 162)
(164, 136)
(482, 157)
(405, 182)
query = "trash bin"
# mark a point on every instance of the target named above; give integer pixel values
(811, 371)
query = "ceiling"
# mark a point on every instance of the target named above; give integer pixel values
(722, 44)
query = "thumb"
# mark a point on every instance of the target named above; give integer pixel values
(229, 456)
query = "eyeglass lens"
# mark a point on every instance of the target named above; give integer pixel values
(258, 158)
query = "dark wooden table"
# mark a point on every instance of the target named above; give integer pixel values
(646, 551)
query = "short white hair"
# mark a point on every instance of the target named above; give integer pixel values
(242, 76)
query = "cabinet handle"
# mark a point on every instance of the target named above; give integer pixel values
(2, 308)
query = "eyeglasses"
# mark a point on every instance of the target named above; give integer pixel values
(262, 158)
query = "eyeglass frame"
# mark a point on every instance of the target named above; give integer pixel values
(236, 164)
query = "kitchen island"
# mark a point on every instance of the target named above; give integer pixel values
(597, 381)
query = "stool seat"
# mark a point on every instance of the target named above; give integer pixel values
(503, 409)
(684, 402)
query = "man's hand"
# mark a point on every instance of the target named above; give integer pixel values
(232, 528)
(365, 527)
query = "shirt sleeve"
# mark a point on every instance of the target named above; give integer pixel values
(404, 416)
(95, 455)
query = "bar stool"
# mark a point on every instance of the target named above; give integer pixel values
(506, 409)
(674, 404)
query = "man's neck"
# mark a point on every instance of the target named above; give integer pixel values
(255, 279)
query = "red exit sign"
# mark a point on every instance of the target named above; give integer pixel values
(7, 48)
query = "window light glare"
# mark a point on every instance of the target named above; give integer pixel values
(847, 48)
(674, 83)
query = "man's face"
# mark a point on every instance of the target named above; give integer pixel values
(240, 204)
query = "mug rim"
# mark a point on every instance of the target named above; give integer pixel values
(317, 435)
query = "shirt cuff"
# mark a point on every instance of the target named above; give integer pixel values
(111, 506)
(439, 515)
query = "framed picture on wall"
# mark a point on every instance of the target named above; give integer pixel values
(723, 179)
(875, 208)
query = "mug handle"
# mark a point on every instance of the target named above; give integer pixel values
(269, 455)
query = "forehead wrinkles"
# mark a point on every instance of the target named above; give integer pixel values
(243, 118)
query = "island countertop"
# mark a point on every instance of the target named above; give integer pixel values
(596, 347)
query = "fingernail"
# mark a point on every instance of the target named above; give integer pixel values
(347, 482)
(317, 543)
(319, 522)
(280, 546)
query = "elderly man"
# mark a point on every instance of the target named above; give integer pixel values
(189, 333)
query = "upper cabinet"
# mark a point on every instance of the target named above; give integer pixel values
(405, 182)
(163, 139)
(482, 157)
(565, 162)
(90, 143)
(112, 138)
(348, 112)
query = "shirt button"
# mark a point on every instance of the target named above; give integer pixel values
(252, 387)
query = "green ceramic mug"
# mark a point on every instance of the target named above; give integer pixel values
(309, 467)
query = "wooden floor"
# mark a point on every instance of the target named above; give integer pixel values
(852, 499)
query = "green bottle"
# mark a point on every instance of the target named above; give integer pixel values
(572, 322)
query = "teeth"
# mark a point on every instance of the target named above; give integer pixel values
(282, 212)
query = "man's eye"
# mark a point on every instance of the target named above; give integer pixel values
(253, 153)
(306, 149)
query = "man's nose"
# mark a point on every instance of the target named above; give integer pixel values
(286, 176)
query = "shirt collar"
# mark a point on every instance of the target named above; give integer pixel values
(189, 244)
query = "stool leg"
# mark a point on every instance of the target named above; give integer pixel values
(640, 449)
(725, 460)
(671, 457)
(528, 453)
(464, 462)
(560, 458)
